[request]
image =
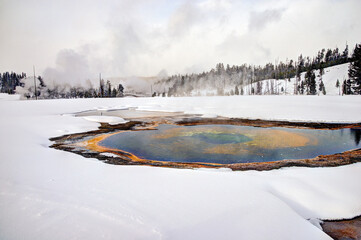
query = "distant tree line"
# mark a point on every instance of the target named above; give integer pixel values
(9, 82)
(105, 90)
(230, 80)
(12, 83)
(224, 80)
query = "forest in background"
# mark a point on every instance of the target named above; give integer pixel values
(234, 78)
(224, 80)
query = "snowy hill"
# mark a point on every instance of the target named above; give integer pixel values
(283, 86)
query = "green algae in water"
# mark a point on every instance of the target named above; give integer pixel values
(226, 144)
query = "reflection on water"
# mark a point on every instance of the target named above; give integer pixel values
(356, 133)
(231, 144)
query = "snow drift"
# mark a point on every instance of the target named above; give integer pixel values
(50, 194)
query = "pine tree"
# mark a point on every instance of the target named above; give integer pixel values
(259, 88)
(321, 88)
(308, 77)
(345, 53)
(114, 92)
(313, 84)
(354, 71)
(328, 56)
(236, 91)
(108, 89)
(101, 88)
(338, 86)
(298, 79)
(322, 71)
(121, 89)
(346, 87)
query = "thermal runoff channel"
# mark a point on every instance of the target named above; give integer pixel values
(226, 144)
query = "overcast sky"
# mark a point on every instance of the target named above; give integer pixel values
(144, 37)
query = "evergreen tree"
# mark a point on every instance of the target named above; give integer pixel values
(101, 88)
(42, 84)
(308, 77)
(346, 87)
(313, 84)
(324, 90)
(338, 86)
(321, 88)
(354, 71)
(322, 71)
(298, 78)
(302, 87)
(345, 53)
(259, 88)
(108, 88)
(236, 91)
(121, 89)
(114, 92)
(328, 56)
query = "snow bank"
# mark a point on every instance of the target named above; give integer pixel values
(105, 119)
(50, 194)
(9, 97)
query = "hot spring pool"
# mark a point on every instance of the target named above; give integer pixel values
(226, 144)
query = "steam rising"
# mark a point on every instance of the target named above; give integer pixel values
(141, 38)
(71, 68)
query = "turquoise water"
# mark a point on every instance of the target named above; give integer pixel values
(231, 144)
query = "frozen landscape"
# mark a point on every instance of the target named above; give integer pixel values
(46, 193)
(166, 120)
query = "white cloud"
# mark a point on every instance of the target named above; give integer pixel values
(259, 20)
(122, 38)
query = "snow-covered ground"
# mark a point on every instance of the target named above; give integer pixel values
(51, 194)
